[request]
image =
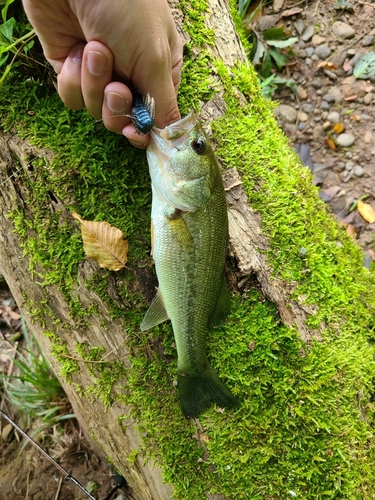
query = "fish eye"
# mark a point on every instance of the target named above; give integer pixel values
(199, 145)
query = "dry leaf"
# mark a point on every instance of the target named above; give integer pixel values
(338, 128)
(326, 65)
(330, 144)
(367, 212)
(291, 12)
(204, 438)
(355, 118)
(103, 243)
(372, 254)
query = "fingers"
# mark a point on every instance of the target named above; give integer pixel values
(97, 66)
(84, 75)
(69, 79)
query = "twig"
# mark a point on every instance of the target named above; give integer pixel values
(59, 488)
(67, 476)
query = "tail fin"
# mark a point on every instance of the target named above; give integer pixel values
(198, 392)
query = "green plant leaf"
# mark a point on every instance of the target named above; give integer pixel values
(6, 29)
(365, 66)
(281, 44)
(274, 34)
(266, 65)
(243, 5)
(259, 53)
(279, 59)
(4, 10)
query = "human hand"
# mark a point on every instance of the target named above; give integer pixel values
(100, 49)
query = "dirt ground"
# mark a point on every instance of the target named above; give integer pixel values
(329, 101)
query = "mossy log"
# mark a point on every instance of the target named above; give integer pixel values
(297, 349)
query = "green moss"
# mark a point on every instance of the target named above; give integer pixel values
(305, 419)
(108, 377)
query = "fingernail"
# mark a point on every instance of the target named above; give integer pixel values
(96, 63)
(116, 102)
(77, 54)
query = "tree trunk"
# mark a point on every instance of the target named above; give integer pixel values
(295, 350)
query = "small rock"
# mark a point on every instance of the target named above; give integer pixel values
(365, 117)
(346, 175)
(342, 30)
(329, 97)
(286, 113)
(367, 41)
(314, 57)
(345, 140)
(358, 171)
(326, 125)
(324, 115)
(309, 51)
(318, 132)
(308, 61)
(336, 93)
(333, 117)
(307, 107)
(322, 51)
(341, 165)
(350, 53)
(317, 40)
(299, 25)
(308, 33)
(367, 137)
(349, 166)
(301, 126)
(339, 57)
(302, 117)
(302, 94)
(316, 84)
(324, 105)
(331, 75)
(368, 98)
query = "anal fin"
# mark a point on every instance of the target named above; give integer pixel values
(156, 313)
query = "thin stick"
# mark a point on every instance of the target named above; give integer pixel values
(67, 476)
(59, 488)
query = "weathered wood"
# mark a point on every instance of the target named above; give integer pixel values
(248, 248)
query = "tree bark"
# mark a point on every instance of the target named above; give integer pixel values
(248, 247)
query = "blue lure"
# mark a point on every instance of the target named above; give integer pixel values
(143, 112)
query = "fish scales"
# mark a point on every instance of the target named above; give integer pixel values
(190, 233)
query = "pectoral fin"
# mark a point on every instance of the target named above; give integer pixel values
(181, 232)
(222, 306)
(156, 313)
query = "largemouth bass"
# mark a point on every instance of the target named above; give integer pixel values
(189, 240)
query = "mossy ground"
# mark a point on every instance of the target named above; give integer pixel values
(304, 426)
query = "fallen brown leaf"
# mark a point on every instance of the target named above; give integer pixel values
(366, 210)
(355, 118)
(291, 12)
(103, 243)
(351, 98)
(351, 230)
(326, 65)
(330, 144)
(338, 128)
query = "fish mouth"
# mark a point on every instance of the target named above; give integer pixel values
(174, 136)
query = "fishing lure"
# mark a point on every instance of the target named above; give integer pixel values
(143, 112)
